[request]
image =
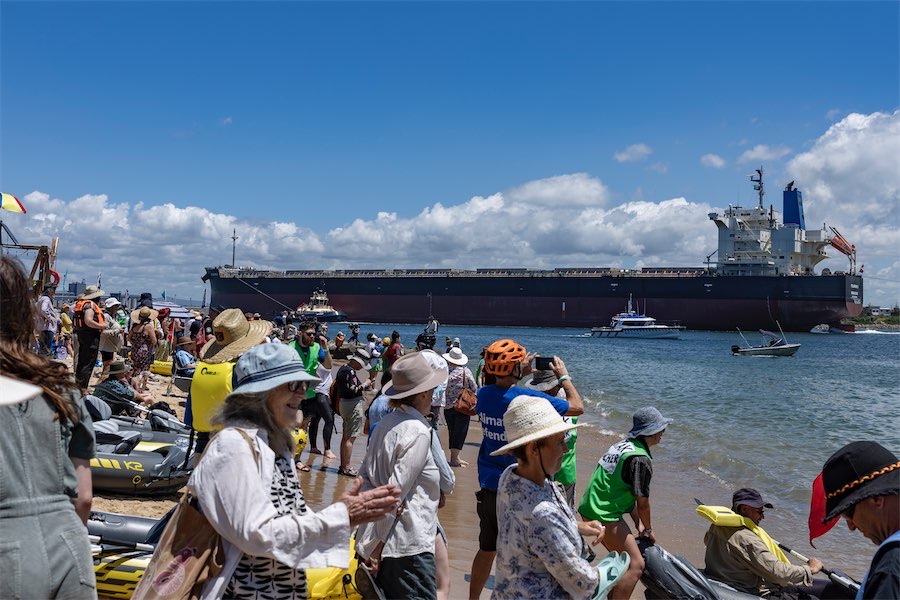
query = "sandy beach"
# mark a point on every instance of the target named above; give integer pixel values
(674, 521)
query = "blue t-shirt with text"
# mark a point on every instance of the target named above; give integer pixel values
(492, 404)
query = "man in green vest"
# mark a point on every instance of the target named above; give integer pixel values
(312, 354)
(621, 485)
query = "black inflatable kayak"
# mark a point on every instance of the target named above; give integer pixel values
(668, 576)
(121, 468)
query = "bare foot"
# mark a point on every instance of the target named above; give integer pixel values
(459, 463)
(330, 455)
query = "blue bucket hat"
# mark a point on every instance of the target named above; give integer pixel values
(647, 421)
(266, 366)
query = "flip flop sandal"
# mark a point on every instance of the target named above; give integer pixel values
(348, 472)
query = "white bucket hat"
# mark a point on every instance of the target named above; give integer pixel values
(456, 357)
(530, 418)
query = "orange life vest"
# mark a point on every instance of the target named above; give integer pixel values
(80, 307)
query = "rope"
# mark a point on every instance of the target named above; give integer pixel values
(263, 293)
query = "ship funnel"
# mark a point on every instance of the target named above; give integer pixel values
(793, 207)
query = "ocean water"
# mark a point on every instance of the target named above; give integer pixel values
(763, 422)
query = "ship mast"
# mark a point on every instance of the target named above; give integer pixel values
(758, 184)
(234, 239)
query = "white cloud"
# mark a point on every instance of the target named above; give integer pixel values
(712, 160)
(633, 153)
(762, 152)
(659, 167)
(833, 114)
(227, 121)
(849, 177)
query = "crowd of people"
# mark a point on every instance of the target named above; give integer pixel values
(252, 384)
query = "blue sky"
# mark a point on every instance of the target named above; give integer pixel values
(298, 123)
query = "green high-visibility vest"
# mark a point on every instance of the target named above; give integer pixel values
(310, 358)
(608, 497)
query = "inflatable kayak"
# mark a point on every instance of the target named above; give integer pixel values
(669, 576)
(120, 467)
(123, 546)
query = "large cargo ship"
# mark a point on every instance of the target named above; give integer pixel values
(764, 275)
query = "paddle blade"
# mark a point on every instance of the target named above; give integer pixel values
(817, 512)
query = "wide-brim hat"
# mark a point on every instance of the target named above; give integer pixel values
(414, 373)
(611, 569)
(143, 314)
(110, 302)
(531, 418)
(184, 341)
(234, 335)
(196, 314)
(647, 421)
(16, 391)
(92, 292)
(264, 367)
(360, 356)
(858, 471)
(456, 357)
(542, 381)
(118, 367)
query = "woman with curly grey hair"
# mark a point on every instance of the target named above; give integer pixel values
(246, 485)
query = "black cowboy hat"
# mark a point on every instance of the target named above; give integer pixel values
(858, 471)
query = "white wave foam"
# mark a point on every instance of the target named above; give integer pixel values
(712, 475)
(876, 332)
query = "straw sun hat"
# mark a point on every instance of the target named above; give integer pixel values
(142, 314)
(234, 335)
(530, 418)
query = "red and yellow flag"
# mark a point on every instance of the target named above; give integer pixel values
(12, 204)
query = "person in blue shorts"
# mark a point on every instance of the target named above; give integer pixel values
(506, 362)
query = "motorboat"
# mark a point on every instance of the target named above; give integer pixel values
(775, 346)
(632, 324)
(319, 309)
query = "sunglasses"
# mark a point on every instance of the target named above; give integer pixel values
(298, 386)
(309, 333)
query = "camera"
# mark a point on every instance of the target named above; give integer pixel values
(542, 363)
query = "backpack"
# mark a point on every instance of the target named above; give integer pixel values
(334, 396)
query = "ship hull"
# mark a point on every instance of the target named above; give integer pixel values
(548, 299)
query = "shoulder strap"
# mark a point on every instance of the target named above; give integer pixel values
(249, 443)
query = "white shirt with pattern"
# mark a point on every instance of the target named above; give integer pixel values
(538, 544)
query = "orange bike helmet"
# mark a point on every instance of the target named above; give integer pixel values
(501, 357)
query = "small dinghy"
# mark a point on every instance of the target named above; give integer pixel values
(775, 346)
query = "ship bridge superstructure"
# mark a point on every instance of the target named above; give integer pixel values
(752, 241)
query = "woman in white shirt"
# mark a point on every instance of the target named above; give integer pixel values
(400, 550)
(539, 543)
(270, 535)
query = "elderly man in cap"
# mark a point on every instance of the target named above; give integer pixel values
(745, 557)
(233, 335)
(862, 484)
(48, 321)
(351, 404)
(89, 322)
(620, 485)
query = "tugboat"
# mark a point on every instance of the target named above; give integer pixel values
(319, 309)
(631, 324)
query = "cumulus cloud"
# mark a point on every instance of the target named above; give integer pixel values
(633, 153)
(762, 152)
(848, 177)
(712, 160)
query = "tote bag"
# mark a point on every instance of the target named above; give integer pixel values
(189, 553)
(467, 399)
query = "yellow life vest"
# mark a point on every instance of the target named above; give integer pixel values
(725, 517)
(209, 386)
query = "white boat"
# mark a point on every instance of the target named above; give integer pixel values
(631, 324)
(319, 309)
(776, 346)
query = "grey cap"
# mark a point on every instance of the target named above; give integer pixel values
(647, 421)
